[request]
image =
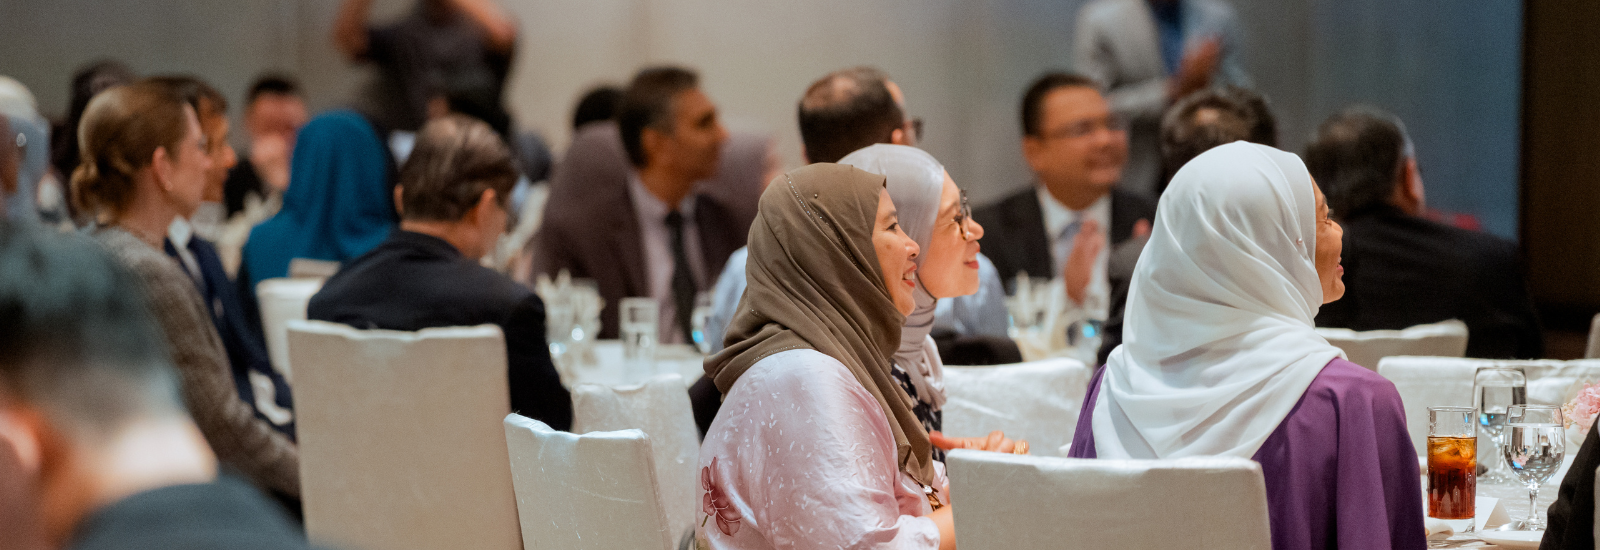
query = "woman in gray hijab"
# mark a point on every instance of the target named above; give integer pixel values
(933, 213)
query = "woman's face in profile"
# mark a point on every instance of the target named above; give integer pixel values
(1330, 243)
(895, 252)
(950, 264)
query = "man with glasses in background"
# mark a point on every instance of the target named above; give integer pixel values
(1063, 224)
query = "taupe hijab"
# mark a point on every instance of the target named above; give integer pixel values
(815, 282)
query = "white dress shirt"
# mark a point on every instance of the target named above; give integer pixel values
(656, 240)
(1097, 297)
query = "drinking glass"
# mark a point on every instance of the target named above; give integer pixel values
(640, 317)
(697, 323)
(1535, 441)
(1493, 390)
(1452, 463)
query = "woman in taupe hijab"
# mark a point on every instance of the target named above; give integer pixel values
(815, 444)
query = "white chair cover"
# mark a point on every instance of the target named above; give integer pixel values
(1009, 502)
(283, 300)
(1593, 351)
(660, 408)
(400, 445)
(1447, 381)
(1037, 401)
(1368, 348)
(596, 490)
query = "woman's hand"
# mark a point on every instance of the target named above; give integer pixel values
(995, 442)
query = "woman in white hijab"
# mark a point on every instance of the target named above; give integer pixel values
(1220, 358)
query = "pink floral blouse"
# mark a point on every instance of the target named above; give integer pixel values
(801, 456)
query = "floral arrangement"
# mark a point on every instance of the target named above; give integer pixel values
(1581, 410)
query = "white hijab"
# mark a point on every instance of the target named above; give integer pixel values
(1219, 343)
(916, 182)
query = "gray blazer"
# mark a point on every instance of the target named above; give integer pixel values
(239, 439)
(1117, 44)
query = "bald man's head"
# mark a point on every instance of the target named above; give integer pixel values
(850, 109)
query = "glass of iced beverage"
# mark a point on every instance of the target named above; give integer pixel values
(1452, 463)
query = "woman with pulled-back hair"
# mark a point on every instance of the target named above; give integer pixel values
(143, 163)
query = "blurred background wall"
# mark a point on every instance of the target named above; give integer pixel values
(1452, 70)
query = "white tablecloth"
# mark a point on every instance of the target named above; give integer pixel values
(607, 367)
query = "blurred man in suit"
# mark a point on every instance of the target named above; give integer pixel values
(1061, 226)
(1402, 269)
(453, 195)
(653, 236)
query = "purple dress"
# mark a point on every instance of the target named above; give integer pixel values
(1340, 469)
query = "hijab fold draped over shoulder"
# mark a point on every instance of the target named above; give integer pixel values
(1219, 343)
(815, 282)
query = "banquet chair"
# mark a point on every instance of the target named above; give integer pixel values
(660, 408)
(1016, 501)
(283, 299)
(596, 490)
(400, 443)
(1367, 348)
(1447, 381)
(1037, 401)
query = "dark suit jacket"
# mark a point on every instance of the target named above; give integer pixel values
(1402, 270)
(414, 281)
(591, 231)
(246, 347)
(1014, 234)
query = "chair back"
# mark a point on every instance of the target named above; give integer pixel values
(660, 408)
(283, 300)
(1447, 381)
(596, 490)
(1368, 348)
(400, 444)
(1037, 401)
(1010, 501)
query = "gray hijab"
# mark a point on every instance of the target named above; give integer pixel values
(915, 181)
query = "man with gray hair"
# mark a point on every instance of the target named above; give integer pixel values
(452, 196)
(1402, 269)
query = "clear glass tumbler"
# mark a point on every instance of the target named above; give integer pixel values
(640, 318)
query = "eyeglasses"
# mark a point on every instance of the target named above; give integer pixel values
(1084, 128)
(963, 216)
(916, 129)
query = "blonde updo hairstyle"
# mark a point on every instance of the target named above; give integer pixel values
(119, 134)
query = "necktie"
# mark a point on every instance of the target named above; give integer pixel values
(683, 288)
(1063, 247)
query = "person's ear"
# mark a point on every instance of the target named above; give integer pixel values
(1033, 151)
(898, 137)
(486, 201)
(25, 431)
(651, 141)
(1408, 195)
(161, 166)
(399, 205)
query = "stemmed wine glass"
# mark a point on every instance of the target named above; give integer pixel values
(1534, 442)
(1494, 389)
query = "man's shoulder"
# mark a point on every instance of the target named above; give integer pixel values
(1127, 203)
(226, 513)
(1008, 205)
(1425, 236)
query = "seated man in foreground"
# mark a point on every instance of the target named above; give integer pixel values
(1402, 269)
(452, 195)
(96, 450)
